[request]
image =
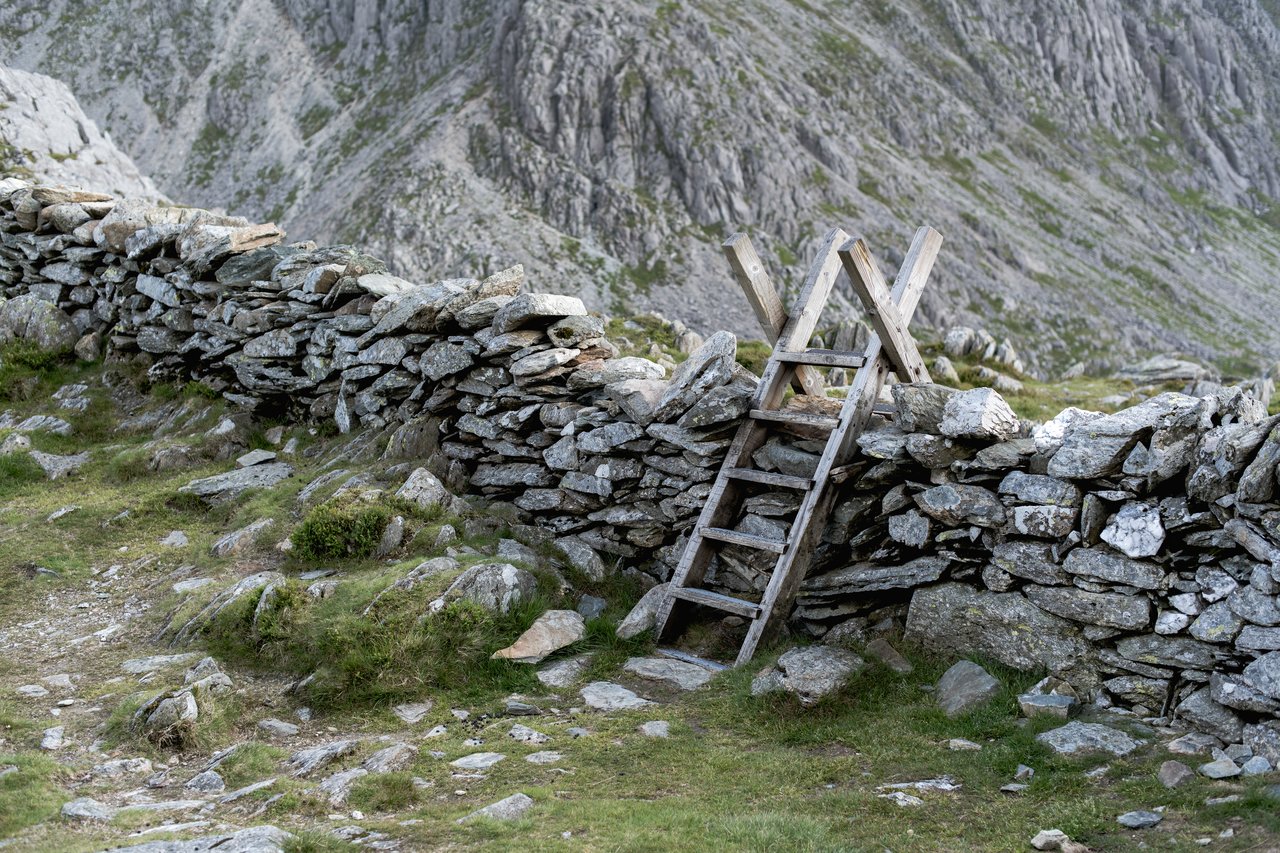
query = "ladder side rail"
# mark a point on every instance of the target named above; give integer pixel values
(854, 417)
(763, 297)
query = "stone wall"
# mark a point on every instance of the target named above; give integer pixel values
(1136, 554)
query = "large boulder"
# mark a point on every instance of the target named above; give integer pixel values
(956, 618)
(494, 586)
(810, 672)
(29, 318)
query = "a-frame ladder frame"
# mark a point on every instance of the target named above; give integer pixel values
(890, 348)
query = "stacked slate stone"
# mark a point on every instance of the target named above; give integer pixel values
(1137, 554)
(524, 396)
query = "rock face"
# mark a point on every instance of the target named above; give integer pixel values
(559, 112)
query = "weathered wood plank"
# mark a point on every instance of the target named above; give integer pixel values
(763, 298)
(747, 540)
(727, 603)
(869, 285)
(769, 478)
(823, 357)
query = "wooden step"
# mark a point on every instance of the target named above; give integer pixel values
(786, 481)
(822, 358)
(677, 654)
(748, 540)
(789, 416)
(727, 603)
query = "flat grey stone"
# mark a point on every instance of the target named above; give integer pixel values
(810, 672)
(607, 696)
(1139, 819)
(478, 760)
(510, 808)
(677, 673)
(1076, 738)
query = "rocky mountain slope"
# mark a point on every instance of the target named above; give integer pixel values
(1103, 171)
(45, 134)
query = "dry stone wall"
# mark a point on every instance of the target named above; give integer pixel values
(1136, 554)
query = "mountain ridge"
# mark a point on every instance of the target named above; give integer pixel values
(1103, 172)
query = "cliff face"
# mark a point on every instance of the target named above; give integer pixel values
(46, 135)
(1103, 171)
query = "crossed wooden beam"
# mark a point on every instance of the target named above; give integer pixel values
(888, 319)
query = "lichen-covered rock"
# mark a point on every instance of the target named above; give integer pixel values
(810, 672)
(494, 586)
(38, 322)
(979, 414)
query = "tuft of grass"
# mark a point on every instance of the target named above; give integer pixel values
(384, 792)
(341, 528)
(252, 762)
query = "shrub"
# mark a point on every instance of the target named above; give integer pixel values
(340, 528)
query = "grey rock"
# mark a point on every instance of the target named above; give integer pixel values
(1053, 705)
(1175, 774)
(88, 809)
(1097, 447)
(307, 761)
(1106, 565)
(56, 467)
(965, 687)
(494, 586)
(207, 782)
(1208, 716)
(1263, 674)
(979, 414)
(809, 672)
(920, 406)
(336, 787)
(1127, 612)
(536, 309)
(1216, 624)
(509, 808)
(43, 324)
(642, 616)
(254, 839)
(1077, 738)
(277, 728)
(1139, 819)
(1223, 768)
(676, 673)
(1178, 652)
(607, 696)
(954, 505)
(563, 673)
(228, 486)
(953, 618)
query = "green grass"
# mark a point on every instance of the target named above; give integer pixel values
(346, 527)
(30, 796)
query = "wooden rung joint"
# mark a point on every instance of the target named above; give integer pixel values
(747, 540)
(788, 416)
(769, 478)
(822, 358)
(727, 603)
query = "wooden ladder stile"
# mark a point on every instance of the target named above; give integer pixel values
(889, 349)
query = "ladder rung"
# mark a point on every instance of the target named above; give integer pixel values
(769, 478)
(676, 654)
(790, 416)
(885, 410)
(749, 540)
(746, 609)
(822, 358)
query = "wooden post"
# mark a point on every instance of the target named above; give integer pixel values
(764, 300)
(889, 323)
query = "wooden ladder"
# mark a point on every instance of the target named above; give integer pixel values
(891, 348)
